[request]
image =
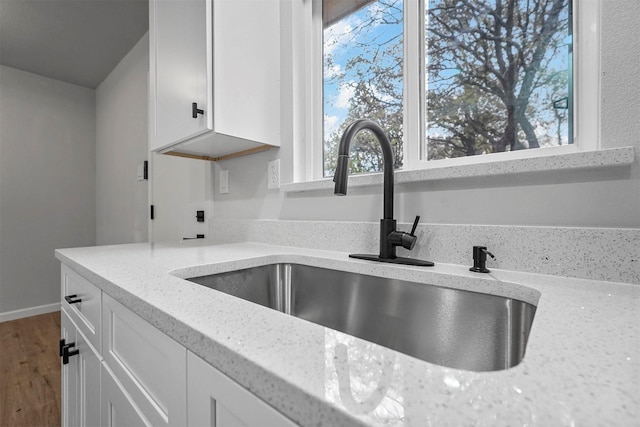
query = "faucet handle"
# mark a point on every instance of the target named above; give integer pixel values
(406, 240)
(415, 225)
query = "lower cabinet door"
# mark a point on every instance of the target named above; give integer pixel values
(88, 383)
(80, 378)
(69, 374)
(118, 409)
(216, 400)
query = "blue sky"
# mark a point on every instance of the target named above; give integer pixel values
(341, 45)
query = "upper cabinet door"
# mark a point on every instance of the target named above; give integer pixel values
(180, 73)
(223, 55)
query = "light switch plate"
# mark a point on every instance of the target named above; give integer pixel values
(224, 181)
(141, 172)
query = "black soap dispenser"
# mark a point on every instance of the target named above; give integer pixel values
(480, 259)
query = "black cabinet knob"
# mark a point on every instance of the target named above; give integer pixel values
(195, 110)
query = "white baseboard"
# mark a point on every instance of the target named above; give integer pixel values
(28, 312)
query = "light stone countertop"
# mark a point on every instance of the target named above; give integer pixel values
(582, 364)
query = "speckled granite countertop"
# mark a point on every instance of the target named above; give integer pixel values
(582, 365)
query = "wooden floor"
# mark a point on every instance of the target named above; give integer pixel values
(30, 371)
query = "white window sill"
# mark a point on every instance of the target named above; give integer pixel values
(566, 161)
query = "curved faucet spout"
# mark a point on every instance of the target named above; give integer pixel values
(340, 177)
(389, 236)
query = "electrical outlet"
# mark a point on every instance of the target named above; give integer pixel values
(224, 181)
(273, 174)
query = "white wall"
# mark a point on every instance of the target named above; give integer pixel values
(180, 187)
(596, 198)
(47, 183)
(176, 187)
(121, 145)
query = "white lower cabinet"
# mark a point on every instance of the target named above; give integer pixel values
(80, 377)
(118, 408)
(69, 373)
(150, 365)
(216, 400)
(142, 377)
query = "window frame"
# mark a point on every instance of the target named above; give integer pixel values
(586, 93)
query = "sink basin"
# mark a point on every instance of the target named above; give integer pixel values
(449, 327)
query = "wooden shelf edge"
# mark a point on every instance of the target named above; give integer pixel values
(224, 157)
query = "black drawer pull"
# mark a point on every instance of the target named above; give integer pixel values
(66, 354)
(70, 299)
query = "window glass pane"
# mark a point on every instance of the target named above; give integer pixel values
(363, 78)
(498, 76)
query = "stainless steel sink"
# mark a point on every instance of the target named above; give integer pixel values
(448, 327)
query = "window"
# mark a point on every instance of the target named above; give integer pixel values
(362, 78)
(497, 76)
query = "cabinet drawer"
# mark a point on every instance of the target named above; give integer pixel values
(82, 300)
(150, 366)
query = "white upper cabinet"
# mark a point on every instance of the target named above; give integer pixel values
(180, 58)
(224, 56)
